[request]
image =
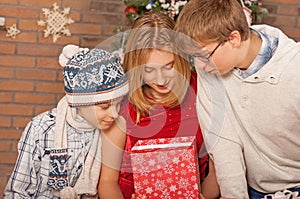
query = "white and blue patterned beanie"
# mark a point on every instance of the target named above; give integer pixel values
(92, 77)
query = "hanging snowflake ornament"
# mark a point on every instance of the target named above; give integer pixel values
(56, 22)
(12, 31)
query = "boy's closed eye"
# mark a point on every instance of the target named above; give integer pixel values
(105, 105)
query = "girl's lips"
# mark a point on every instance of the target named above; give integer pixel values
(108, 122)
(161, 86)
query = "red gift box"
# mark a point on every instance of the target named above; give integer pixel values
(166, 168)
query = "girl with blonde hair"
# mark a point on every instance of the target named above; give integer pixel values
(162, 92)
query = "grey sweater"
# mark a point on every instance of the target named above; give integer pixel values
(251, 126)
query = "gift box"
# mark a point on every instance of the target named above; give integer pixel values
(166, 168)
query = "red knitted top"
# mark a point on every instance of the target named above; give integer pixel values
(163, 123)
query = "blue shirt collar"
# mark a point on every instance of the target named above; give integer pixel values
(268, 47)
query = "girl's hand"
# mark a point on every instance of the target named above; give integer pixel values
(133, 197)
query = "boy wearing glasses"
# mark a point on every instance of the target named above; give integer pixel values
(250, 111)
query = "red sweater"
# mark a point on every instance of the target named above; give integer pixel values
(163, 123)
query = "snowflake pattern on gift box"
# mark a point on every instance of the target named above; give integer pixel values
(56, 22)
(146, 182)
(166, 195)
(138, 185)
(188, 194)
(149, 190)
(138, 159)
(173, 188)
(183, 172)
(152, 162)
(189, 168)
(163, 158)
(186, 155)
(176, 160)
(183, 183)
(169, 180)
(159, 185)
(169, 170)
(146, 172)
(159, 174)
(175, 174)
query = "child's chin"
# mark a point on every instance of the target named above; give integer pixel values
(105, 126)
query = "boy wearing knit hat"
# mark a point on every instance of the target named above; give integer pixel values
(62, 151)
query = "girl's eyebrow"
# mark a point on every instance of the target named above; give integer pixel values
(170, 63)
(150, 65)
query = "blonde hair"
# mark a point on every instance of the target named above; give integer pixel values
(212, 20)
(151, 31)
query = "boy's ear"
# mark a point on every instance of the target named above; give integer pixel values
(235, 38)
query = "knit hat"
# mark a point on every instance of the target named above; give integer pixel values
(92, 77)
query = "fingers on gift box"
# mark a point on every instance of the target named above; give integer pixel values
(166, 168)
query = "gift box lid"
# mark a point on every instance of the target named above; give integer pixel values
(163, 143)
(166, 168)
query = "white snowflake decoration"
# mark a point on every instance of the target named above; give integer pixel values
(56, 22)
(12, 31)
(149, 190)
(173, 188)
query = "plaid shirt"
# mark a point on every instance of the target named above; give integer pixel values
(30, 175)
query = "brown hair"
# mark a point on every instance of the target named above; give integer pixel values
(212, 20)
(153, 30)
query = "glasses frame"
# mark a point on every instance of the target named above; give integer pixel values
(214, 50)
(207, 58)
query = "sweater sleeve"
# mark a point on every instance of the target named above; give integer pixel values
(228, 158)
(23, 181)
(221, 139)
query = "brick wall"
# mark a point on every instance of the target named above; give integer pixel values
(30, 77)
(284, 14)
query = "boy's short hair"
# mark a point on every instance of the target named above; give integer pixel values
(92, 77)
(209, 21)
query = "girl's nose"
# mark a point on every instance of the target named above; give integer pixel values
(160, 79)
(114, 112)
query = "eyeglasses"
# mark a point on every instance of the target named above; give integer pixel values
(206, 58)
